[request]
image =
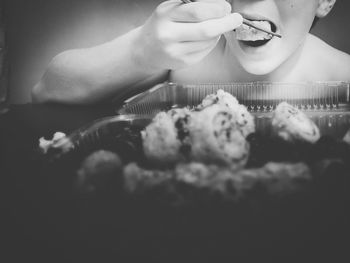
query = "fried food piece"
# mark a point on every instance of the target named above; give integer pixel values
(243, 118)
(247, 33)
(97, 171)
(45, 145)
(215, 133)
(194, 182)
(291, 124)
(274, 179)
(161, 142)
(220, 97)
(216, 137)
(182, 119)
(139, 180)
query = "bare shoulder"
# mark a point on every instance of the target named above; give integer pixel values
(335, 63)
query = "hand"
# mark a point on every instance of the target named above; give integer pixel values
(178, 35)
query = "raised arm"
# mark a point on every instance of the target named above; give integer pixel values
(175, 36)
(84, 76)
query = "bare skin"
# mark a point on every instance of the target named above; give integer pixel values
(315, 60)
(175, 36)
(195, 43)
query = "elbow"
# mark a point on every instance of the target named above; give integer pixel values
(43, 91)
(38, 93)
(72, 77)
(61, 83)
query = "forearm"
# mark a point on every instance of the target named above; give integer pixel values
(98, 73)
(175, 36)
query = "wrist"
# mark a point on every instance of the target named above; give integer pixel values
(141, 53)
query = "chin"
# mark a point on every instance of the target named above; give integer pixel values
(259, 67)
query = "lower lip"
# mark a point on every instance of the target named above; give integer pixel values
(257, 50)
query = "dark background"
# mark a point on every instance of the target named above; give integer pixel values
(40, 29)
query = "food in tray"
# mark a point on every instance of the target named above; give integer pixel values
(292, 124)
(247, 33)
(165, 138)
(215, 137)
(193, 181)
(97, 170)
(221, 98)
(207, 152)
(243, 118)
(214, 132)
(45, 145)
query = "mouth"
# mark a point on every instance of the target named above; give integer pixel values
(252, 37)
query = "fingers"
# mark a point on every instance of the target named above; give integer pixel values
(200, 11)
(208, 29)
(183, 34)
(184, 48)
(195, 57)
